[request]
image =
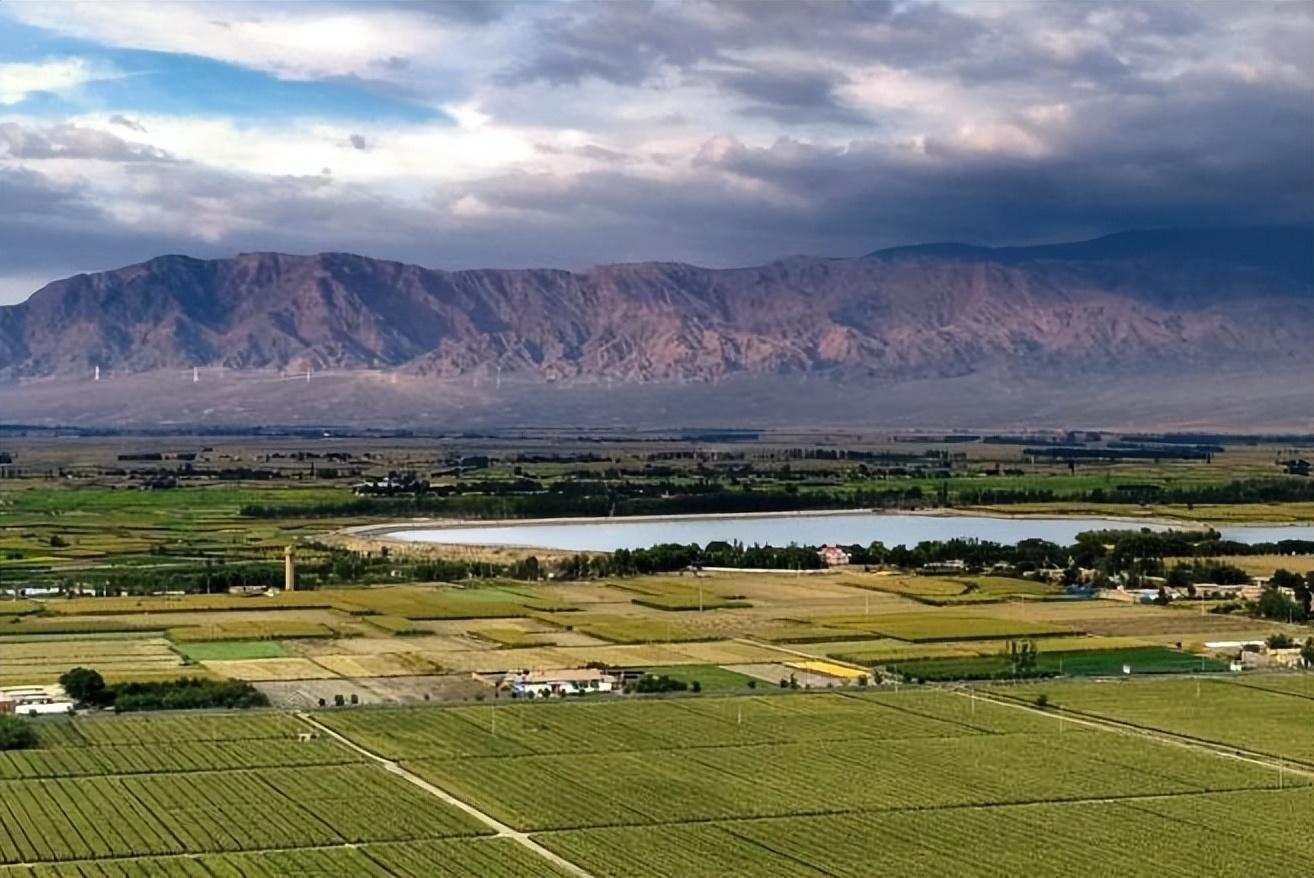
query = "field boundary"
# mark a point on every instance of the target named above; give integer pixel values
(499, 828)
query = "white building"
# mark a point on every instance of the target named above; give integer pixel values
(545, 684)
(34, 700)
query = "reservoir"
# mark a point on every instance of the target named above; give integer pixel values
(805, 528)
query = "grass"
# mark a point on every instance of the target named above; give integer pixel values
(231, 650)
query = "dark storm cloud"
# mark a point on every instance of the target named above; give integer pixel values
(831, 128)
(788, 96)
(621, 43)
(1129, 163)
(630, 43)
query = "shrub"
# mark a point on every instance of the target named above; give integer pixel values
(1042, 701)
(16, 734)
(649, 683)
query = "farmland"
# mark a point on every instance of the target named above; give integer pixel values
(836, 783)
(1272, 721)
(788, 785)
(1095, 662)
(866, 773)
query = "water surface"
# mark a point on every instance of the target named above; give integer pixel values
(809, 528)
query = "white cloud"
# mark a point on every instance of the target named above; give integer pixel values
(297, 41)
(19, 81)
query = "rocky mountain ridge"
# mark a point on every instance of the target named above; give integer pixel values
(1157, 300)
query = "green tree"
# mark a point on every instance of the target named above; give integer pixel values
(1307, 652)
(1273, 604)
(84, 686)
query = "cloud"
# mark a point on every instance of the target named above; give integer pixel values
(714, 131)
(120, 119)
(290, 40)
(73, 142)
(20, 81)
(789, 96)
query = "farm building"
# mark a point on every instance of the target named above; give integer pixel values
(34, 700)
(1214, 590)
(545, 684)
(953, 566)
(833, 556)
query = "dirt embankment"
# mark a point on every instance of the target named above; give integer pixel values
(443, 551)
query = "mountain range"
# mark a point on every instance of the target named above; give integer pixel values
(1133, 304)
(1158, 299)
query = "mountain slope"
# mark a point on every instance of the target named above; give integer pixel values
(1162, 300)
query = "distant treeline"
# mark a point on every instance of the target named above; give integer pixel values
(527, 498)
(87, 686)
(606, 503)
(666, 557)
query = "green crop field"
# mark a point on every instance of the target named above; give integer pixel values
(1272, 722)
(1218, 834)
(231, 650)
(1093, 663)
(201, 784)
(848, 784)
(853, 784)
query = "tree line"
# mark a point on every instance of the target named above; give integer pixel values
(88, 687)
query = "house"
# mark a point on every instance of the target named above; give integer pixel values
(833, 556)
(545, 684)
(1215, 591)
(34, 700)
(954, 566)
(1273, 657)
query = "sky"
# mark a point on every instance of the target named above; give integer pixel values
(483, 133)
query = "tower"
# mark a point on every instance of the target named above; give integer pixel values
(289, 569)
